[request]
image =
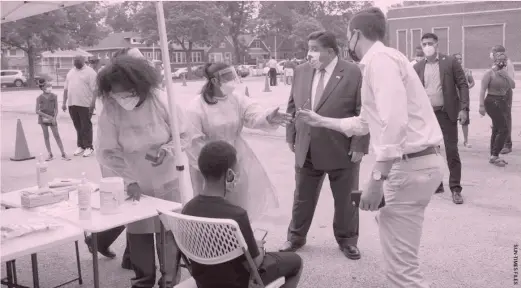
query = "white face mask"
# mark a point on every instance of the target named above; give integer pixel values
(491, 55)
(429, 50)
(48, 90)
(128, 103)
(231, 180)
(314, 59)
(228, 88)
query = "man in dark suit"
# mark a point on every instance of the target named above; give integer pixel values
(443, 77)
(331, 87)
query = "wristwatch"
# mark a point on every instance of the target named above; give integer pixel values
(377, 176)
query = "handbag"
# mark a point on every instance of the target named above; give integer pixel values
(47, 120)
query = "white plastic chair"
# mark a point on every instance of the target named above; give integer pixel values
(210, 241)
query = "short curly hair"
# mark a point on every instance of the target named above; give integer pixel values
(215, 159)
(134, 74)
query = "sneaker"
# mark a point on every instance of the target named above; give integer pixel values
(65, 157)
(505, 150)
(79, 151)
(467, 145)
(50, 158)
(88, 152)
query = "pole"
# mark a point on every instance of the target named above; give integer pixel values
(153, 51)
(275, 47)
(171, 99)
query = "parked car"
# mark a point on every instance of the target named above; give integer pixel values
(13, 77)
(242, 70)
(197, 71)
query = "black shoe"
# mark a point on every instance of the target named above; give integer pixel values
(289, 246)
(456, 197)
(350, 251)
(440, 189)
(105, 252)
(126, 264)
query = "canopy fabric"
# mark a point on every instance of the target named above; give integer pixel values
(16, 10)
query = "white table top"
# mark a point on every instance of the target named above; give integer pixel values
(129, 212)
(38, 241)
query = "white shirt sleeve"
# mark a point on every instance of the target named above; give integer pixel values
(390, 99)
(355, 126)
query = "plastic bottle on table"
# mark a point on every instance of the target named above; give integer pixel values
(42, 173)
(84, 198)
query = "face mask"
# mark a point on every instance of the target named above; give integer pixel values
(429, 50)
(314, 59)
(231, 180)
(78, 65)
(352, 52)
(228, 88)
(47, 90)
(128, 102)
(491, 55)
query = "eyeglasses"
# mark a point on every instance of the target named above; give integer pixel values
(425, 44)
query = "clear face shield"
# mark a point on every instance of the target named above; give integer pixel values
(228, 76)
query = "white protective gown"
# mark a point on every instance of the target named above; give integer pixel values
(124, 138)
(224, 121)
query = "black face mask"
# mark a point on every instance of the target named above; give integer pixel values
(352, 52)
(78, 65)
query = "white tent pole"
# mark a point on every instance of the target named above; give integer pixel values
(179, 159)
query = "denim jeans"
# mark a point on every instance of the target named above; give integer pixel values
(508, 142)
(496, 107)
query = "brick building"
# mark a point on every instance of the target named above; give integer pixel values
(471, 28)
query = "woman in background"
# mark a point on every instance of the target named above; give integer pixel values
(220, 114)
(471, 83)
(495, 85)
(135, 123)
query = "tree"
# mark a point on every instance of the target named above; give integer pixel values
(239, 15)
(120, 16)
(304, 26)
(60, 29)
(187, 24)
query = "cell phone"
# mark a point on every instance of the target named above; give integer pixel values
(152, 155)
(355, 199)
(260, 234)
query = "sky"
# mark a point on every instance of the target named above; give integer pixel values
(384, 4)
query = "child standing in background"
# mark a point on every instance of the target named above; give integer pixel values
(47, 110)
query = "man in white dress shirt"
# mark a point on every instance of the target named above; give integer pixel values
(405, 135)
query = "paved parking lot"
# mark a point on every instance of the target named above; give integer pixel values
(463, 246)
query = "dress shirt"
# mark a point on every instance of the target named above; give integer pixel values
(432, 81)
(395, 107)
(327, 75)
(272, 63)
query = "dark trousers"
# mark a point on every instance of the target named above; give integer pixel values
(308, 185)
(106, 238)
(142, 256)
(81, 119)
(449, 129)
(273, 76)
(508, 141)
(496, 107)
(280, 264)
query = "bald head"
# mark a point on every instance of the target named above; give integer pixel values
(79, 61)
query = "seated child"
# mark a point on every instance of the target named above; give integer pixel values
(217, 162)
(47, 110)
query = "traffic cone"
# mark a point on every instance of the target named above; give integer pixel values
(184, 79)
(267, 85)
(246, 92)
(21, 150)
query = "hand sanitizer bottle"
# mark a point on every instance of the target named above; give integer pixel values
(84, 198)
(42, 173)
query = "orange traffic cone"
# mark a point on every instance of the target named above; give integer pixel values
(246, 92)
(21, 150)
(184, 79)
(267, 85)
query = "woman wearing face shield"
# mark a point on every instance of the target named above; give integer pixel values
(134, 124)
(220, 114)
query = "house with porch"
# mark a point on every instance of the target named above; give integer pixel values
(106, 48)
(55, 65)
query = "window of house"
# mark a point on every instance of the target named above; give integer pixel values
(15, 53)
(179, 57)
(256, 44)
(228, 55)
(197, 57)
(222, 45)
(149, 55)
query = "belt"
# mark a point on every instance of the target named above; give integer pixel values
(425, 152)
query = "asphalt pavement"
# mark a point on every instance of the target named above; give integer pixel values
(470, 245)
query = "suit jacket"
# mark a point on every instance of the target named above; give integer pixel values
(453, 80)
(341, 99)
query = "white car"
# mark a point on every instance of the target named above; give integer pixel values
(12, 77)
(179, 72)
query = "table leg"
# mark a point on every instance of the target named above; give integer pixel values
(95, 259)
(162, 241)
(80, 278)
(34, 262)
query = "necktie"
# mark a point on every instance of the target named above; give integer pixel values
(320, 88)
